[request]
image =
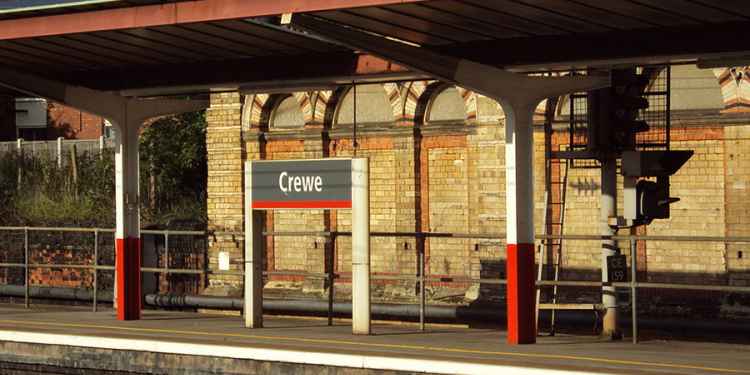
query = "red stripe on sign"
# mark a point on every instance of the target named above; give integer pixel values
(303, 204)
(520, 298)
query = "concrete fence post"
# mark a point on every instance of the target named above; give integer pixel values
(19, 174)
(101, 147)
(59, 151)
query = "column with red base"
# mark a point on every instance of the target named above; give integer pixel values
(127, 233)
(127, 267)
(519, 176)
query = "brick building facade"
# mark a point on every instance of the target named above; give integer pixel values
(61, 121)
(437, 165)
(71, 123)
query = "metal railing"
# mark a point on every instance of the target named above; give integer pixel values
(96, 267)
(421, 278)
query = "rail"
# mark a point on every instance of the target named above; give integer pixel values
(420, 278)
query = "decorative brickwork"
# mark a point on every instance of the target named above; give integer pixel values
(449, 177)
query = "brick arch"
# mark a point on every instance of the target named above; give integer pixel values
(470, 102)
(332, 105)
(319, 104)
(540, 112)
(425, 97)
(393, 92)
(413, 92)
(252, 110)
(256, 108)
(305, 105)
(335, 98)
(428, 91)
(735, 87)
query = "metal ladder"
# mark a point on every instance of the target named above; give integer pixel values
(553, 247)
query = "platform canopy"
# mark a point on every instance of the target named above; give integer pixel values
(153, 47)
(106, 56)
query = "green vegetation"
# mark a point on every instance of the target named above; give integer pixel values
(174, 171)
(81, 192)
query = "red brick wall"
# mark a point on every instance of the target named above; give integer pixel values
(71, 123)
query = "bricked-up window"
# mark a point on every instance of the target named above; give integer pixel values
(287, 115)
(372, 106)
(446, 106)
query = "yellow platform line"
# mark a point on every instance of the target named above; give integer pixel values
(385, 346)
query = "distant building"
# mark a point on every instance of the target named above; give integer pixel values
(38, 119)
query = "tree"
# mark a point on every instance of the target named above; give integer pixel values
(173, 169)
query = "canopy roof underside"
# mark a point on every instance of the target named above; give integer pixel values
(138, 47)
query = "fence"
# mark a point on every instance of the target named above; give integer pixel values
(59, 149)
(198, 266)
(84, 258)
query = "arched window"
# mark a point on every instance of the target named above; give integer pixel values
(372, 106)
(286, 114)
(446, 106)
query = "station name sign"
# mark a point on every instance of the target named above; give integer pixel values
(300, 184)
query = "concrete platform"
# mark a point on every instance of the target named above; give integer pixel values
(189, 343)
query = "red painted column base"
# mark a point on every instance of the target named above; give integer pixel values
(128, 266)
(520, 295)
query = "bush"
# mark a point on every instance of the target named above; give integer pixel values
(173, 181)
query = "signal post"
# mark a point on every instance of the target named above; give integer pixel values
(614, 122)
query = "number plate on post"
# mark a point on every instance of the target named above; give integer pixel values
(617, 268)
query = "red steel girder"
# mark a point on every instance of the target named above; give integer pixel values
(170, 14)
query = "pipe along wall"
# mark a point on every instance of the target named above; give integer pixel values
(485, 315)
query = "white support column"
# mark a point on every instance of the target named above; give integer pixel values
(519, 178)
(360, 247)
(127, 219)
(253, 308)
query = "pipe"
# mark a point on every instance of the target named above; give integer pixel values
(74, 294)
(340, 309)
(486, 314)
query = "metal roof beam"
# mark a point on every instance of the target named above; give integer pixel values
(268, 72)
(631, 47)
(491, 81)
(169, 14)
